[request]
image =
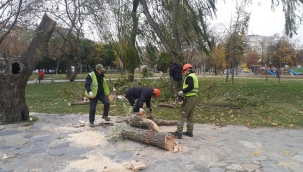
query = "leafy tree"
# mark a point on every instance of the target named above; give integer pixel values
(108, 55)
(217, 60)
(184, 17)
(87, 49)
(299, 57)
(235, 43)
(253, 59)
(149, 55)
(101, 53)
(283, 52)
(163, 62)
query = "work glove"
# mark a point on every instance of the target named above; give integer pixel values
(180, 93)
(141, 110)
(91, 94)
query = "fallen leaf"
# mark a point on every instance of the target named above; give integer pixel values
(256, 153)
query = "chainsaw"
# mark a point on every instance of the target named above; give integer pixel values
(149, 114)
(179, 98)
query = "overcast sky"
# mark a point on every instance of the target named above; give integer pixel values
(263, 21)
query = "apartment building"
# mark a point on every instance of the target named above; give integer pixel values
(259, 43)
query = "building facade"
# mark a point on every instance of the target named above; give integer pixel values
(259, 43)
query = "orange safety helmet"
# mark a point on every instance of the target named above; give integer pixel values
(157, 92)
(186, 66)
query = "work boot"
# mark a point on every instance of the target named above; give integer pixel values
(188, 134)
(106, 118)
(177, 134)
(91, 124)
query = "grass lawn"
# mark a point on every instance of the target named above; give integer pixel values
(252, 102)
(109, 74)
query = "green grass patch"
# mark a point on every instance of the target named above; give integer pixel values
(248, 102)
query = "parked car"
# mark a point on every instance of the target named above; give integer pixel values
(50, 71)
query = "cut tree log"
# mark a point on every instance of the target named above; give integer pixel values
(78, 103)
(138, 121)
(151, 125)
(141, 122)
(166, 105)
(162, 122)
(161, 139)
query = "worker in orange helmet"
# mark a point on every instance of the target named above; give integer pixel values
(189, 94)
(136, 97)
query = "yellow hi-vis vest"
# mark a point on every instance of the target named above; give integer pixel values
(194, 91)
(94, 85)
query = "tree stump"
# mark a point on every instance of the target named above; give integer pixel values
(161, 139)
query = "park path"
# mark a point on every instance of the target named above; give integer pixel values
(56, 142)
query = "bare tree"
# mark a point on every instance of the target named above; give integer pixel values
(235, 42)
(71, 15)
(10, 11)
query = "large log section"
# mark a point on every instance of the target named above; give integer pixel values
(161, 139)
(137, 121)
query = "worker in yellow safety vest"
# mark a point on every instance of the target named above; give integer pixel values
(97, 89)
(189, 94)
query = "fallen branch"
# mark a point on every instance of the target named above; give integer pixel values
(78, 103)
(162, 122)
(135, 165)
(166, 105)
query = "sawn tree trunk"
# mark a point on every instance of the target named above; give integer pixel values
(13, 81)
(161, 139)
(140, 123)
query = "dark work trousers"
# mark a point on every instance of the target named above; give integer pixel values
(187, 113)
(93, 104)
(133, 102)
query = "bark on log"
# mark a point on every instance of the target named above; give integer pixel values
(13, 107)
(137, 121)
(166, 105)
(78, 103)
(162, 122)
(141, 122)
(161, 139)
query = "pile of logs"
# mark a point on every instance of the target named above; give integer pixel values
(148, 132)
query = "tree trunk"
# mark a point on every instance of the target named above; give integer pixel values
(137, 121)
(160, 139)
(13, 106)
(227, 69)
